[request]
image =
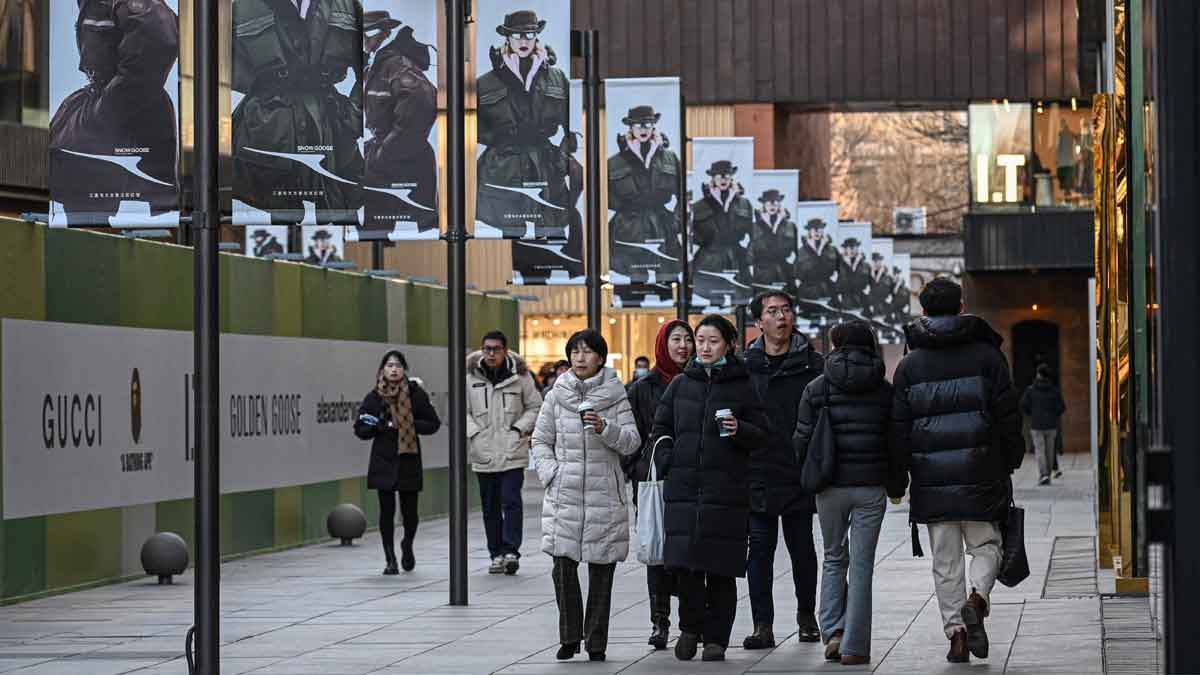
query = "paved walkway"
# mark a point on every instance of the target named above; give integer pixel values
(326, 609)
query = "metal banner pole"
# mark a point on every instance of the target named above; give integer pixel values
(377, 255)
(591, 109)
(206, 224)
(681, 303)
(456, 266)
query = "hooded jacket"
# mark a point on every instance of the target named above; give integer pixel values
(1043, 404)
(584, 512)
(955, 422)
(859, 404)
(500, 416)
(774, 469)
(707, 486)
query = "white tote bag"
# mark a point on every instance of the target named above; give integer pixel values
(651, 514)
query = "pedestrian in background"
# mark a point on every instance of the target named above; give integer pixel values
(502, 406)
(584, 428)
(956, 425)
(715, 420)
(1042, 403)
(781, 363)
(858, 401)
(673, 348)
(393, 416)
(641, 366)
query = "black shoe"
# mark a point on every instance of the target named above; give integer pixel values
(713, 652)
(1058, 473)
(685, 646)
(659, 637)
(567, 652)
(512, 563)
(407, 560)
(973, 614)
(761, 638)
(808, 629)
(391, 565)
(595, 656)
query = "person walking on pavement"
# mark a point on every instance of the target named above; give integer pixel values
(502, 406)
(393, 416)
(1043, 404)
(584, 428)
(957, 429)
(858, 401)
(781, 364)
(673, 348)
(715, 420)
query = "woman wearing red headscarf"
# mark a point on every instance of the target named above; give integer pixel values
(673, 348)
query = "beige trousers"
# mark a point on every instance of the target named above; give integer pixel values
(983, 543)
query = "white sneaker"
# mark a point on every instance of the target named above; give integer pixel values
(512, 563)
(497, 566)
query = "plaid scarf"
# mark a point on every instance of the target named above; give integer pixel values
(400, 404)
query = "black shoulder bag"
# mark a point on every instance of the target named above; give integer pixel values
(820, 462)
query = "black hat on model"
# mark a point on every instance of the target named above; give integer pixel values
(722, 167)
(876, 256)
(260, 234)
(521, 21)
(322, 234)
(641, 113)
(815, 224)
(379, 20)
(771, 196)
(851, 243)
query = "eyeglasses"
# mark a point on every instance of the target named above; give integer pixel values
(643, 126)
(776, 312)
(524, 36)
(492, 350)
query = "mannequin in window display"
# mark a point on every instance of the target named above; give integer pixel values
(854, 277)
(773, 244)
(1084, 171)
(1064, 156)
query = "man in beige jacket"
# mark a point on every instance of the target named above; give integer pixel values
(502, 407)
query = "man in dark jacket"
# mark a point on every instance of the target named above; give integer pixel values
(781, 364)
(956, 426)
(1043, 404)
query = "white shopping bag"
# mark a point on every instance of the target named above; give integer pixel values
(651, 514)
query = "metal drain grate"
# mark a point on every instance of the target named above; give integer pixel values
(1072, 572)
(1130, 645)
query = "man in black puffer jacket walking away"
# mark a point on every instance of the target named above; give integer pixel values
(1043, 404)
(956, 424)
(781, 364)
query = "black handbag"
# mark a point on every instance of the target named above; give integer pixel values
(820, 461)
(1014, 564)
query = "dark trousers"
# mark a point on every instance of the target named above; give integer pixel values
(573, 624)
(387, 517)
(661, 586)
(707, 605)
(500, 494)
(760, 568)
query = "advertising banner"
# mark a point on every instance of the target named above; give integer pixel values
(527, 148)
(775, 239)
(114, 97)
(400, 134)
(817, 262)
(908, 220)
(323, 243)
(297, 112)
(901, 291)
(118, 431)
(853, 287)
(265, 240)
(557, 260)
(644, 207)
(722, 219)
(643, 296)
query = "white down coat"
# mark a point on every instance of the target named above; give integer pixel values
(584, 512)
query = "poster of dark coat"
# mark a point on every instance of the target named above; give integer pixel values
(818, 258)
(853, 287)
(266, 240)
(400, 134)
(557, 260)
(114, 137)
(722, 218)
(879, 298)
(527, 148)
(775, 239)
(323, 243)
(643, 296)
(297, 111)
(901, 312)
(644, 207)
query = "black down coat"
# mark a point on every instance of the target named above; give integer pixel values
(1043, 404)
(707, 490)
(955, 421)
(774, 470)
(388, 469)
(859, 404)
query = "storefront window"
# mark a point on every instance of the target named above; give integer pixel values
(1001, 153)
(1063, 142)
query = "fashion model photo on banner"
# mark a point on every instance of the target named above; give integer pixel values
(775, 241)
(323, 244)
(854, 274)
(722, 220)
(113, 100)
(297, 111)
(643, 180)
(525, 141)
(266, 240)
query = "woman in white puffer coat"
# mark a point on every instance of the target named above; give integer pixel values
(585, 517)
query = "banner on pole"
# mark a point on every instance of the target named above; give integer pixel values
(854, 271)
(265, 240)
(722, 219)
(643, 122)
(114, 96)
(527, 147)
(323, 244)
(643, 296)
(775, 240)
(908, 220)
(901, 291)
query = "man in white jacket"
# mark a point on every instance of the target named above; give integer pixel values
(502, 407)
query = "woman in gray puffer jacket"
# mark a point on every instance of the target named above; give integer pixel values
(584, 427)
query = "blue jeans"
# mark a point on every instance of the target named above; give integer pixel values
(760, 567)
(500, 494)
(850, 521)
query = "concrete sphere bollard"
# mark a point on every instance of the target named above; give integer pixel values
(164, 555)
(346, 522)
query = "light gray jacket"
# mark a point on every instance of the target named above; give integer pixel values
(500, 416)
(584, 512)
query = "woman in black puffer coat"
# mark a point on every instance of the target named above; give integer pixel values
(858, 401)
(707, 485)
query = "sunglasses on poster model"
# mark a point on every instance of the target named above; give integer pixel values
(524, 36)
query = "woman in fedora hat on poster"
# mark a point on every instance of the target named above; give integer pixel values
(773, 244)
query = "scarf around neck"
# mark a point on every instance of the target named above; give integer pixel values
(399, 402)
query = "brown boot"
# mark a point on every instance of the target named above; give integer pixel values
(973, 614)
(834, 646)
(852, 660)
(958, 648)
